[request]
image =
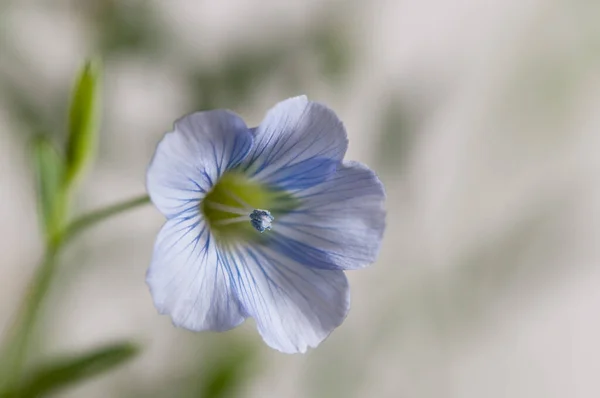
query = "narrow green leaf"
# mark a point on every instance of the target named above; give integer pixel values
(67, 371)
(81, 143)
(49, 170)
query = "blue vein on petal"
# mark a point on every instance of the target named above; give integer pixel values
(242, 145)
(189, 228)
(304, 174)
(309, 255)
(278, 155)
(255, 292)
(193, 208)
(277, 267)
(196, 274)
(226, 269)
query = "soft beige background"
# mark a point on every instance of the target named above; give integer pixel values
(488, 284)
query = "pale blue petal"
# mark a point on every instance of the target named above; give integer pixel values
(190, 159)
(298, 140)
(295, 307)
(190, 279)
(304, 174)
(340, 223)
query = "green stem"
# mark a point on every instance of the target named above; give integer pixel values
(94, 217)
(24, 326)
(16, 347)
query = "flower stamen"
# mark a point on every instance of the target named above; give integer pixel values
(232, 220)
(227, 209)
(235, 197)
(261, 220)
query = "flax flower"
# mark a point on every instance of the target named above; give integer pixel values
(261, 223)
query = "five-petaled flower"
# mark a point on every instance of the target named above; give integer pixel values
(261, 223)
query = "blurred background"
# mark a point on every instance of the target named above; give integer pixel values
(481, 117)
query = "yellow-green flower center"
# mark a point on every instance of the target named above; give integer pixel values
(227, 208)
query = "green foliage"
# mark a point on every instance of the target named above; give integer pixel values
(235, 80)
(332, 49)
(64, 372)
(54, 176)
(81, 143)
(224, 377)
(399, 125)
(125, 27)
(49, 170)
(223, 371)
